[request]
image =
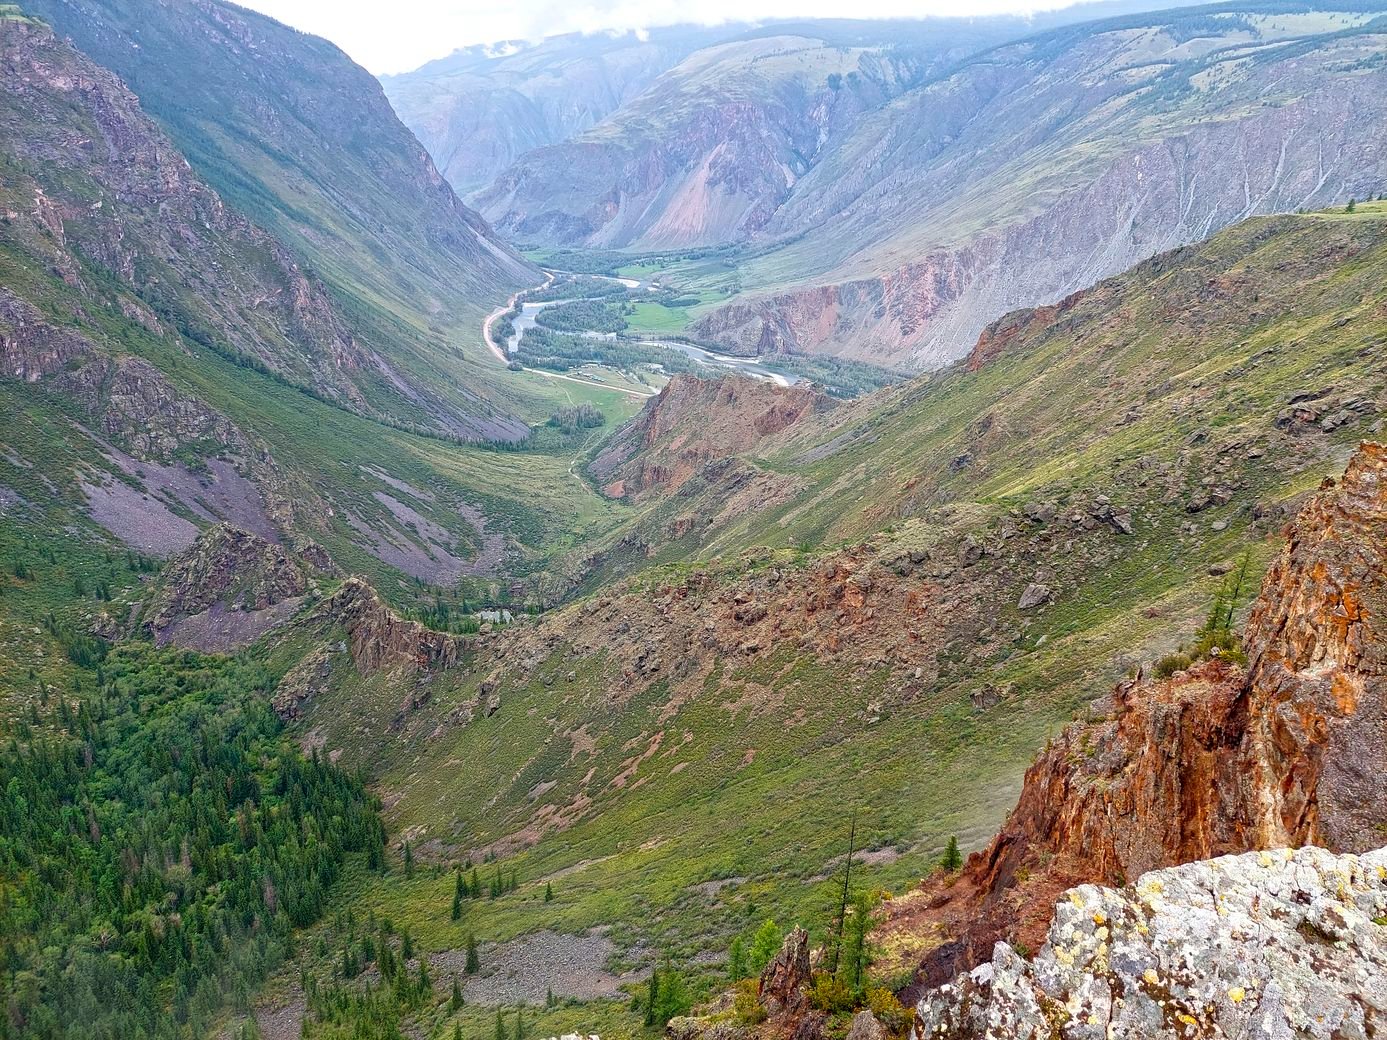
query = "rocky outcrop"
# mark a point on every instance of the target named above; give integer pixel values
(1266, 944)
(229, 589)
(131, 401)
(1317, 673)
(863, 609)
(377, 640)
(781, 986)
(693, 422)
(1214, 760)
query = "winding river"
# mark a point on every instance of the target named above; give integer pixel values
(746, 366)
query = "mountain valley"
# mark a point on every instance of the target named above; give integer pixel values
(384, 655)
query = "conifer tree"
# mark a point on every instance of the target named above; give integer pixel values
(548, 892)
(652, 999)
(473, 963)
(952, 859)
(736, 960)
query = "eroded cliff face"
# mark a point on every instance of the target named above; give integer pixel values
(1317, 676)
(1214, 760)
(230, 588)
(693, 422)
(904, 246)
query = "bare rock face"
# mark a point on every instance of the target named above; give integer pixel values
(693, 422)
(226, 591)
(153, 220)
(865, 1026)
(378, 638)
(129, 399)
(1214, 760)
(1266, 944)
(781, 988)
(1317, 646)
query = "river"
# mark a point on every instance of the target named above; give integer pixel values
(746, 366)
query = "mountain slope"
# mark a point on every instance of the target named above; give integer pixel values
(167, 365)
(1214, 760)
(707, 153)
(701, 155)
(887, 607)
(1107, 382)
(1041, 166)
(477, 110)
(1256, 755)
(303, 142)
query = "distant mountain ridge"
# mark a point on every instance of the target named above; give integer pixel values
(891, 197)
(477, 111)
(1042, 166)
(481, 108)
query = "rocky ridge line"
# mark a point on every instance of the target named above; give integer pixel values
(1212, 761)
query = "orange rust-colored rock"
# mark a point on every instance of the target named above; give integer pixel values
(693, 422)
(1018, 326)
(378, 638)
(1214, 760)
(781, 986)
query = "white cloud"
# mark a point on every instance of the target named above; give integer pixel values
(403, 34)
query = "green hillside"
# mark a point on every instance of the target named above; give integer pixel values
(302, 141)
(518, 702)
(1123, 449)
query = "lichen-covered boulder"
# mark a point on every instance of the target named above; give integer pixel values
(865, 1026)
(1262, 945)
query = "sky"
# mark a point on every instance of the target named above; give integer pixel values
(400, 35)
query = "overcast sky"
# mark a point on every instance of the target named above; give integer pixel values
(399, 35)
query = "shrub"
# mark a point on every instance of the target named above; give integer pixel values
(889, 1011)
(830, 994)
(748, 1009)
(1172, 663)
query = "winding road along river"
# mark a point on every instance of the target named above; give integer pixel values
(526, 320)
